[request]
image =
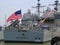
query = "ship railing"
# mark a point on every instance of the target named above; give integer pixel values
(3, 28)
(28, 26)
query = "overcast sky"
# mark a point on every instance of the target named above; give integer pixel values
(7, 7)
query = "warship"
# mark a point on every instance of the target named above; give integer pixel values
(31, 29)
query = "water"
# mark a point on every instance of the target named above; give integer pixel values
(46, 43)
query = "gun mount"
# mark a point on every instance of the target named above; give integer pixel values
(14, 24)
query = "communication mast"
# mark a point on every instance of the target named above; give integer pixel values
(56, 5)
(38, 7)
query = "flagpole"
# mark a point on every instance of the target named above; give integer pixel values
(5, 21)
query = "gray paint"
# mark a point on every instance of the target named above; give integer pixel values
(27, 35)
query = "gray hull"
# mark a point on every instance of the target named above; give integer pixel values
(25, 35)
(21, 35)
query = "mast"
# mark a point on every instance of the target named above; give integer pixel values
(56, 5)
(38, 7)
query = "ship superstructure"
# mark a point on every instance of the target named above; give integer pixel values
(33, 28)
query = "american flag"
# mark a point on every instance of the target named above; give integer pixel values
(16, 15)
